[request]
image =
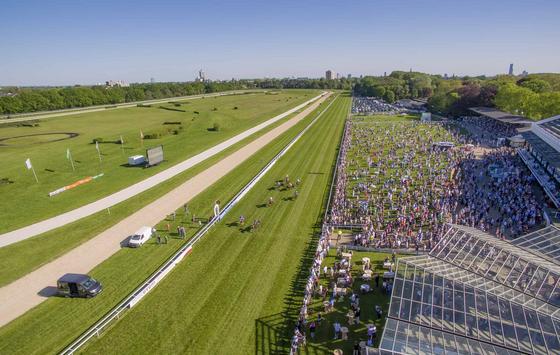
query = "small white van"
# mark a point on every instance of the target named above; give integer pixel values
(140, 237)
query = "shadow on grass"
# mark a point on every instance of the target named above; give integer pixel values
(273, 333)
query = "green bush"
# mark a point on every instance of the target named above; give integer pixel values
(160, 133)
(216, 127)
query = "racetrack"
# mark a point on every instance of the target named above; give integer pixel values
(126, 193)
(23, 294)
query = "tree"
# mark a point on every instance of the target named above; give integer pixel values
(535, 85)
(389, 96)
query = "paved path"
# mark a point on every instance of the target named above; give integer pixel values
(23, 294)
(124, 194)
(76, 111)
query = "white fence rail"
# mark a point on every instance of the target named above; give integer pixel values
(132, 299)
(324, 232)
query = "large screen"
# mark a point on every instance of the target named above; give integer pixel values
(155, 155)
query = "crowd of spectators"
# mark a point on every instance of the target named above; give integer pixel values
(367, 105)
(395, 183)
(487, 130)
(400, 189)
(496, 194)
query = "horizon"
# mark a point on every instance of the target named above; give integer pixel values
(67, 44)
(451, 76)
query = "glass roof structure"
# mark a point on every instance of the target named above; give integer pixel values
(406, 338)
(476, 294)
(545, 242)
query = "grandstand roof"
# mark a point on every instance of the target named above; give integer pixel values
(475, 293)
(551, 126)
(501, 116)
(551, 155)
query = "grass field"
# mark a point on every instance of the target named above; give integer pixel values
(191, 120)
(19, 259)
(40, 330)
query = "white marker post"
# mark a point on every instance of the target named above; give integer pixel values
(30, 167)
(98, 152)
(69, 157)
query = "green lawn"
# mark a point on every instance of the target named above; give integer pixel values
(18, 259)
(229, 271)
(234, 114)
(324, 336)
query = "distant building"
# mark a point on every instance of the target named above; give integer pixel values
(349, 76)
(328, 75)
(201, 76)
(524, 73)
(116, 83)
(510, 72)
(445, 76)
(338, 75)
(152, 80)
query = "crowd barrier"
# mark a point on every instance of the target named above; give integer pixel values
(132, 299)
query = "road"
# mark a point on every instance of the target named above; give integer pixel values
(126, 193)
(21, 295)
(75, 111)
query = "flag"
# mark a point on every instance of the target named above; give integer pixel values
(68, 153)
(28, 164)
(97, 146)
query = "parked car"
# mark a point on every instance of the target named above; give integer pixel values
(140, 237)
(78, 285)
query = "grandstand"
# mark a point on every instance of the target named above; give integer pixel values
(477, 294)
(540, 150)
(542, 155)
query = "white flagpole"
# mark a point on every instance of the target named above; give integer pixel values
(34, 174)
(69, 157)
(122, 145)
(142, 138)
(30, 166)
(98, 152)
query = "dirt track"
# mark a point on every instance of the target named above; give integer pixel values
(23, 294)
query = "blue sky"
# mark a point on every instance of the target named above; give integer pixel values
(84, 42)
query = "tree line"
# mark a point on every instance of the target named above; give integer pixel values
(536, 96)
(22, 100)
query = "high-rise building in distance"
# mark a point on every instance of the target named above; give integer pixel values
(510, 69)
(328, 75)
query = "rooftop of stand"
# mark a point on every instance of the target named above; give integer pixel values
(551, 155)
(501, 116)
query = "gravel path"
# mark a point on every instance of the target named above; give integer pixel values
(34, 288)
